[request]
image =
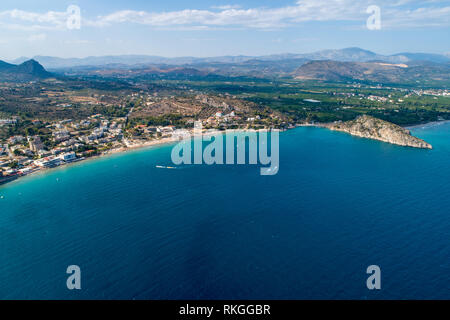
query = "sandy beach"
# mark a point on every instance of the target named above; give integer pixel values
(130, 146)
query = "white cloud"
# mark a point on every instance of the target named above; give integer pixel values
(227, 7)
(428, 17)
(394, 14)
(402, 13)
(33, 20)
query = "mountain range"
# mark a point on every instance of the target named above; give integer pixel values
(380, 72)
(351, 64)
(345, 55)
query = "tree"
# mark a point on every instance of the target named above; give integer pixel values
(13, 165)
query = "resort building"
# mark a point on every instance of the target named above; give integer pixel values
(36, 144)
(68, 157)
(48, 162)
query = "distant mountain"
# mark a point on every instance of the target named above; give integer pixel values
(360, 55)
(347, 54)
(353, 54)
(26, 71)
(127, 60)
(333, 65)
(19, 60)
(438, 58)
(380, 72)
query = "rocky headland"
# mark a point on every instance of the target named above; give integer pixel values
(372, 128)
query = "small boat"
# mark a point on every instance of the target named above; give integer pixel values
(164, 167)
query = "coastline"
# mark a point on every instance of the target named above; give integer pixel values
(135, 147)
(122, 150)
(170, 140)
(420, 142)
(427, 124)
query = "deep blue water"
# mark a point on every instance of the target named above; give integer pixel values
(337, 205)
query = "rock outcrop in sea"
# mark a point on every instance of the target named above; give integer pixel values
(372, 128)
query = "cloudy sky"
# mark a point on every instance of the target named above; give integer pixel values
(201, 28)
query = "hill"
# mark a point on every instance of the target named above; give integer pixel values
(27, 71)
(372, 128)
(381, 72)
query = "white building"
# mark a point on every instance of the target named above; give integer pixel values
(16, 139)
(7, 121)
(67, 157)
(48, 162)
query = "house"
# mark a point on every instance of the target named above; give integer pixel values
(68, 157)
(61, 136)
(36, 144)
(16, 139)
(168, 129)
(48, 162)
(3, 149)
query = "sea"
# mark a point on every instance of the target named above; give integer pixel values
(338, 205)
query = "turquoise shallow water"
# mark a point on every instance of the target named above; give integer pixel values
(337, 205)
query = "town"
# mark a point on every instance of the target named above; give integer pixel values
(149, 120)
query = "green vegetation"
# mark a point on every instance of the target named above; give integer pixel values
(400, 104)
(164, 120)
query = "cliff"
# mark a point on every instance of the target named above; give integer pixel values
(369, 127)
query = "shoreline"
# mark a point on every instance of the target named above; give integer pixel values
(111, 152)
(170, 140)
(122, 150)
(427, 124)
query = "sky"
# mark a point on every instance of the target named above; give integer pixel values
(175, 28)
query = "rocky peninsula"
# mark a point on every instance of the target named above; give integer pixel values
(373, 128)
